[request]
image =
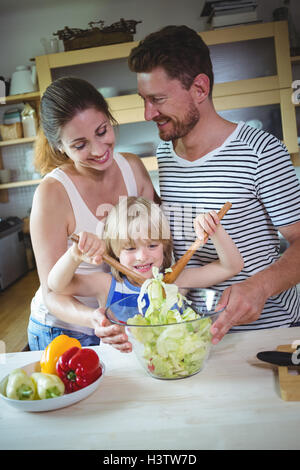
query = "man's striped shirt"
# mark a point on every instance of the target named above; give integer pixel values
(251, 169)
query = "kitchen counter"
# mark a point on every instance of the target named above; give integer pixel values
(233, 403)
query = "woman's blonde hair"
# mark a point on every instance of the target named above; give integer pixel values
(62, 100)
(136, 218)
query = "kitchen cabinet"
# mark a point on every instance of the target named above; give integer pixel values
(23, 140)
(13, 264)
(266, 90)
(262, 91)
(32, 98)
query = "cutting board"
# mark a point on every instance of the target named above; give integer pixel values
(289, 378)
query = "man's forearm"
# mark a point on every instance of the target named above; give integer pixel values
(282, 274)
(244, 301)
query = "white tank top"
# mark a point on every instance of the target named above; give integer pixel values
(86, 221)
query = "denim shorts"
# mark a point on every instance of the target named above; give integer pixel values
(39, 335)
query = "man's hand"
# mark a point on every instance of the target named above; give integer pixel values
(244, 303)
(111, 334)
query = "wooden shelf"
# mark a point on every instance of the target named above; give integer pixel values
(20, 184)
(295, 157)
(23, 140)
(149, 162)
(260, 91)
(295, 59)
(11, 99)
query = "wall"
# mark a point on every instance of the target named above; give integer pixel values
(23, 24)
(36, 19)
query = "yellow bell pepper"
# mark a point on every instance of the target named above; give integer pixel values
(54, 350)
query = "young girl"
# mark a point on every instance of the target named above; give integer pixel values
(137, 234)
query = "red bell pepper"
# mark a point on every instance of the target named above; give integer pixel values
(78, 368)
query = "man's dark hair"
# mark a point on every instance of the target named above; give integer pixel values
(179, 50)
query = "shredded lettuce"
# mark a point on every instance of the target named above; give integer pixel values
(170, 351)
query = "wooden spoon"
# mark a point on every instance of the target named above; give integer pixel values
(115, 264)
(170, 277)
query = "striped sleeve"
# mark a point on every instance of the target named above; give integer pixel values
(277, 184)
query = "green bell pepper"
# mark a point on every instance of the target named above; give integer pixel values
(48, 385)
(19, 386)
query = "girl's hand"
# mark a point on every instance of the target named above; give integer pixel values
(207, 222)
(111, 334)
(89, 248)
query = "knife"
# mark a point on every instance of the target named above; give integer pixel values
(280, 358)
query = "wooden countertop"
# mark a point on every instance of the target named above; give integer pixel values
(234, 403)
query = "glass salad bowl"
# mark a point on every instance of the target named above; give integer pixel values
(170, 344)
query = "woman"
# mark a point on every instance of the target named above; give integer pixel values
(84, 179)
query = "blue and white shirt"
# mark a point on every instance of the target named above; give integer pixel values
(251, 169)
(122, 299)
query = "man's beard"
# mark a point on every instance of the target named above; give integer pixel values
(181, 128)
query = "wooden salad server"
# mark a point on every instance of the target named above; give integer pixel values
(115, 264)
(177, 267)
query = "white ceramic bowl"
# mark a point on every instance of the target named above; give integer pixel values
(50, 403)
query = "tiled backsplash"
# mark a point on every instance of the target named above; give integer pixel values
(20, 202)
(19, 159)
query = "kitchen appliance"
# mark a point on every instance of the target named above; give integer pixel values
(23, 80)
(13, 262)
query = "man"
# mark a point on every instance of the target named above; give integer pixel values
(204, 161)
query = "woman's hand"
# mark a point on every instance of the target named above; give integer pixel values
(111, 334)
(89, 248)
(207, 222)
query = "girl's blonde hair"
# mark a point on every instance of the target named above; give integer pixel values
(60, 103)
(136, 218)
